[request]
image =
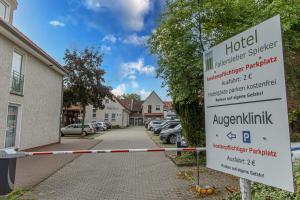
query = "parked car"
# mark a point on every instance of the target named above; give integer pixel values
(168, 125)
(170, 136)
(164, 122)
(153, 123)
(75, 129)
(108, 125)
(100, 126)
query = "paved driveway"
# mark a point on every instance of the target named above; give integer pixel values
(117, 176)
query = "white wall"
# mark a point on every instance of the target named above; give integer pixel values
(153, 100)
(40, 106)
(121, 119)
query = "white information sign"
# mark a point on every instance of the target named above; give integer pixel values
(246, 119)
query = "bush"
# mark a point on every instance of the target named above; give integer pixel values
(264, 192)
(295, 137)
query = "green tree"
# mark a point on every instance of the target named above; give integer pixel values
(133, 96)
(187, 28)
(177, 42)
(84, 84)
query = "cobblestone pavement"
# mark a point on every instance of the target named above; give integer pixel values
(120, 176)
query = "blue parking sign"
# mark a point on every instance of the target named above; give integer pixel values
(246, 137)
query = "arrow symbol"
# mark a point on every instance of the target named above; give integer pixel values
(231, 135)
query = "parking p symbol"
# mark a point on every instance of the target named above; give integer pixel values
(246, 137)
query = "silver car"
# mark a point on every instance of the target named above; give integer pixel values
(100, 126)
(75, 129)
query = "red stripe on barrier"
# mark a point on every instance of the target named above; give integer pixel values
(82, 151)
(120, 151)
(189, 149)
(43, 153)
(158, 149)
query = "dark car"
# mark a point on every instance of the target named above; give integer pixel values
(168, 125)
(108, 125)
(164, 122)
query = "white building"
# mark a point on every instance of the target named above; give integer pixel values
(114, 112)
(153, 107)
(31, 88)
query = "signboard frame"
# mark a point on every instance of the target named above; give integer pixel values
(246, 118)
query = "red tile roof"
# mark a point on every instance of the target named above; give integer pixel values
(132, 105)
(153, 114)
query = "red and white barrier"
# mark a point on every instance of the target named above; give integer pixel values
(111, 151)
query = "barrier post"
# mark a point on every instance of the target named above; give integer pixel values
(178, 143)
(8, 160)
(245, 186)
(198, 168)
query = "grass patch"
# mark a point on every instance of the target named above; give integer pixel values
(186, 158)
(16, 194)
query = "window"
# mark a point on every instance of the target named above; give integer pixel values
(113, 117)
(149, 109)
(94, 112)
(157, 107)
(106, 116)
(17, 76)
(3, 10)
(11, 131)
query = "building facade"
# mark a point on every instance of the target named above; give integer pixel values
(136, 115)
(31, 88)
(114, 112)
(153, 107)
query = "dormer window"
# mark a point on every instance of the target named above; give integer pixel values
(3, 10)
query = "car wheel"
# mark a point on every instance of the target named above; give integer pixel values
(172, 139)
(62, 134)
(84, 133)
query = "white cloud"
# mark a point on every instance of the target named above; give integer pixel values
(130, 68)
(134, 84)
(111, 38)
(106, 49)
(144, 94)
(131, 12)
(56, 23)
(119, 90)
(136, 40)
(132, 77)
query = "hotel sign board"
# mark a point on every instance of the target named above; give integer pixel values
(246, 118)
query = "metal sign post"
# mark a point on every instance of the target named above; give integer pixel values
(198, 168)
(178, 144)
(245, 186)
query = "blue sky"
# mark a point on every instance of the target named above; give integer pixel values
(119, 27)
